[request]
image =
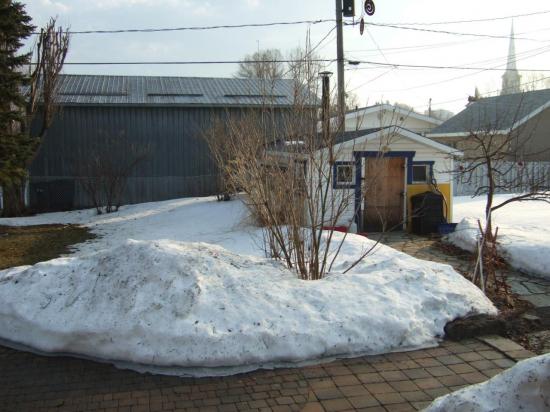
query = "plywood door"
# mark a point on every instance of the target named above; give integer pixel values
(384, 193)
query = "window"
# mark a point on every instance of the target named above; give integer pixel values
(420, 173)
(344, 175)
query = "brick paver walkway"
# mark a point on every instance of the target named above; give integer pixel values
(392, 382)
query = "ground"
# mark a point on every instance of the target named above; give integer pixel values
(31, 244)
(399, 381)
(405, 381)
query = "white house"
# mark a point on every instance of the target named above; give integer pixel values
(381, 170)
(383, 115)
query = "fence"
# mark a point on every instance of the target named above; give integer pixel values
(509, 172)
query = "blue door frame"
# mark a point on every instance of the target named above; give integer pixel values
(359, 177)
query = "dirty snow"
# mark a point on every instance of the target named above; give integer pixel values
(182, 287)
(525, 387)
(524, 232)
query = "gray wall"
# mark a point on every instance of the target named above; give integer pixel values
(177, 164)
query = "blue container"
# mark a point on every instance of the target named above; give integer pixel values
(446, 228)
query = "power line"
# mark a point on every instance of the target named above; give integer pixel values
(488, 93)
(189, 62)
(474, 20)
(489, 36)
(197, 28)
(426, 66)
(290, 23)
(544, 50)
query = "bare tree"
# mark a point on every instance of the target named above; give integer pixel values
(48, 59)
(288, 176)
(500, 151)
(264, 64)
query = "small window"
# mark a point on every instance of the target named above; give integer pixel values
(420, 173)
(344, 174)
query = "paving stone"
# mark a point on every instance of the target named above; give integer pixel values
(452, 380)
(437, 392)
(356, 390)
(392, 376)
(346, 380)
(492, 372)
(428, 362)
(500, 343)
(400, 407)
(377, 388)
(520, 354)
(313, 407)
(364, 401)
(421, 405)
(439, 371)
(427, 383)
(462, 368)
(470, 356)
(370, 377)
(415, 396)
(404, 386)
(327, 393)
(389, 398)
(474, 377)
(335, 405)
(417, 373)
(449, 359)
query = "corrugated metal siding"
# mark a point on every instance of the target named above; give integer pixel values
(178, 162)
(186, 91)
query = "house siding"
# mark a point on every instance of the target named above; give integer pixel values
(177, 164)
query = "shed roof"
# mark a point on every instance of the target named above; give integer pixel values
(498, 113)
(376, 108)
(372, 134)
(181, 91)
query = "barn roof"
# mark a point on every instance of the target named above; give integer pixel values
(180, 91)
(498, 113)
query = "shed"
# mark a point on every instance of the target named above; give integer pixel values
(163, 116)
(382, 169)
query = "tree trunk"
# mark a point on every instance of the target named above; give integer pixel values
(14, 200)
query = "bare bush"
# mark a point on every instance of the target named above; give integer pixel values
(496, 149)
(104, 172)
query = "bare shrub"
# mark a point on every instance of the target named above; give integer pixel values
(496, 149)
(104, 172)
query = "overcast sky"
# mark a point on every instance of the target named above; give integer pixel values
(448, 88)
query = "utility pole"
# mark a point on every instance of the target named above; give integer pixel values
(340, 63)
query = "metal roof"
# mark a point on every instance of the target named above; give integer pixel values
(495, 113)
(78, 89)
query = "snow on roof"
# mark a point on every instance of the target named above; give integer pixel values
(376, 133)
(498, 113)
(398, 109)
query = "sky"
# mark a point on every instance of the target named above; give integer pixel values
(448, 88)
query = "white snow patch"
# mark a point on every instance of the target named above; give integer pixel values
(182, 287)
(523, 235)
(524, 387)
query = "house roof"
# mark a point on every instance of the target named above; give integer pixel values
(498, 113)
(76, 89)
(376, 133)
(398, 109)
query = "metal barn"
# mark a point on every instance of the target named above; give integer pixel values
(163, 116)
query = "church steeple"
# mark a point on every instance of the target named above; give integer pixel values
(511, 80)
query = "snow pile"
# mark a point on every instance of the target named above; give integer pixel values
(525, 387)
(523, 234)
(200, 309)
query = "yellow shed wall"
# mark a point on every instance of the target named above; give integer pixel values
(444, 188)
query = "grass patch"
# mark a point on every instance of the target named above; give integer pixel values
(27, 245)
